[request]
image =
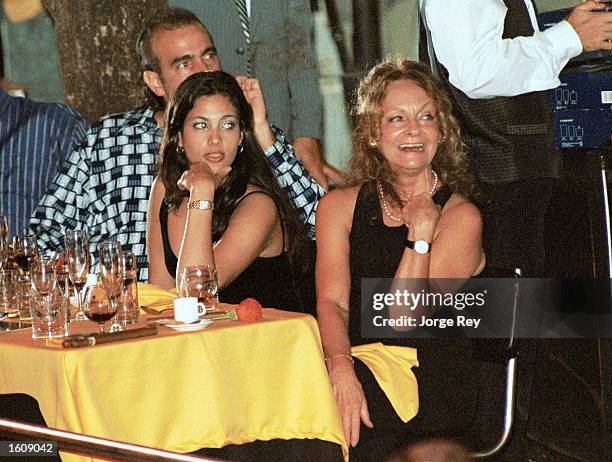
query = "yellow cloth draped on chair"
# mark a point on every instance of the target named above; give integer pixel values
(392, 368)
(149, 294)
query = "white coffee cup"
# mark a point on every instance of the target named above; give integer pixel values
(188, 309)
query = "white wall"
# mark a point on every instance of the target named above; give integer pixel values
(547, 5)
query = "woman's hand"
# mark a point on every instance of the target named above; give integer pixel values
(200, 177)
(421, 215)
(350, 399)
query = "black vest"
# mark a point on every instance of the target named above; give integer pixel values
(509, 138)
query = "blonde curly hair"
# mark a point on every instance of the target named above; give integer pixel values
(367, 163)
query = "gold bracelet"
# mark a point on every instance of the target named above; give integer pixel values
(340, 355)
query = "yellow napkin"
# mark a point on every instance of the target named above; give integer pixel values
(149, 294)
(392, 368)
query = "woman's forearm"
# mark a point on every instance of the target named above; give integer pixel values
(196, 245)
(334, 334)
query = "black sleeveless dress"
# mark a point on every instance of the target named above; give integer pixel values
(269, 280)
(447, 395)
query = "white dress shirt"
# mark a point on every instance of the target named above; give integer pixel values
(467, 39)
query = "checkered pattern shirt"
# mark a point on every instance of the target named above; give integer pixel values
(104, 185)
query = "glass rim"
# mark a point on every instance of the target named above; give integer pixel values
(199, 267)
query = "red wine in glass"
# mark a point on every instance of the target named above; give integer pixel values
(100, 317)
(24, 261)
(99, 309)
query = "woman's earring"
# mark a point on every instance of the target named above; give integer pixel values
(241, 149)
(373, 144)
(180, 150)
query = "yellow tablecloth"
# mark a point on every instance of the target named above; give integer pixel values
(230, 383)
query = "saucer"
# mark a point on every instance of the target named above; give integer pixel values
(182, 327)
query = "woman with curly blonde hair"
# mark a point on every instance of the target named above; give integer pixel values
(406, 215)
(368, 163)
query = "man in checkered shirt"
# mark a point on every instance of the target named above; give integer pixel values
(104, 185)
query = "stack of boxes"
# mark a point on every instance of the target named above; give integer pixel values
(583, 107)
(582, 104)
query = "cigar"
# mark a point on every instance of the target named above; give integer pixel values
(86, 340)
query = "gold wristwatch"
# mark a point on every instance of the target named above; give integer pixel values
(201, 205)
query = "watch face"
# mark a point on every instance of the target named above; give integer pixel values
(421, 247)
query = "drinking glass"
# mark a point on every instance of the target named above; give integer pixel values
(4, 227)
(111, 271)
(25, 250)
(200, 281)
(98, 307)
(77, 260)
(7, 291)
(43, 278)
(23, 291)
(128, 310)
(5, 245)
(4, 253)
(48, 314)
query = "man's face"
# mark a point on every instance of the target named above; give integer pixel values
(180, 53)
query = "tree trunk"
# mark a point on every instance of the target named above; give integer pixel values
(97, 49)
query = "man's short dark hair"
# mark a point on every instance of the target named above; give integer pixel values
(169, 18)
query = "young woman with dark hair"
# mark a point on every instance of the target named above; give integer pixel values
(216, 201)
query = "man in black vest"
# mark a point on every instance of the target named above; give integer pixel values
(499, 68)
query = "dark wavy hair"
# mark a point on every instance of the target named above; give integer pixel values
(167, 19)
(249, 166)
(368, 163)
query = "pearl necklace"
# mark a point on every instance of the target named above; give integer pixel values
(385, 207)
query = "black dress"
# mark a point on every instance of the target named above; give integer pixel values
(447, 396)
(269, 280)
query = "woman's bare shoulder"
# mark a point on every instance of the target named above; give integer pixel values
(256, 200)
(338, 206)
(461, 211)
(343, 197)
(158, 191)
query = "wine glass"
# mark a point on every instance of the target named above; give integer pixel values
(25, 250)
(4, 242)
(43, 278)
(4, 227)
(4, 253)
(77, 258)
(98, 307)
(200, 281)
(111, 270)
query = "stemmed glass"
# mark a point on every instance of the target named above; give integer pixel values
(43, 279)
(4, 253)
(98, 307)
(25, 249)
(4, 241)
(111, 269)
(77, 258)
(4, 227)
(200, 281)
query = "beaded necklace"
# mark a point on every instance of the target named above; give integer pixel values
(385, 207)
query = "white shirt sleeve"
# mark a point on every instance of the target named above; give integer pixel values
(467, 40)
